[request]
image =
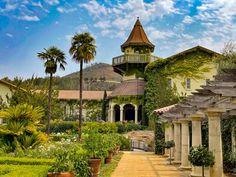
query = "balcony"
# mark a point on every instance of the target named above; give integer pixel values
(133, 58)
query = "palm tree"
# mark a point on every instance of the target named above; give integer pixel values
(52, 57)
(83, 50)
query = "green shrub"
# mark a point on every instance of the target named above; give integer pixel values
(23, 170)
(127, 127)
(229, 162)
(63, 127)
(25, 161)
(104, 127)
(125, 143)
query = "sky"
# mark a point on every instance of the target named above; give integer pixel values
(29, 26)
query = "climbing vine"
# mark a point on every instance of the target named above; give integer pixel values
(136, 100)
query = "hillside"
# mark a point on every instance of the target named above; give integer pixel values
(98, 76)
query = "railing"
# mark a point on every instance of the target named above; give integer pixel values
(138, 144)
(133, 58)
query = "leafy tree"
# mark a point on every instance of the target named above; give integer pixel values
(26, 93)
(200, 156)
(169, 145)
(82, 50)
(104, 106)
(52, 57)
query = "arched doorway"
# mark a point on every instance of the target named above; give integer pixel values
(129, 112)
(117, 113)
(140, 113)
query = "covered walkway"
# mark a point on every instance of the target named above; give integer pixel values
(145, 164)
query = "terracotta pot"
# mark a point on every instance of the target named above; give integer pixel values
(109, 158)
(61, 174)
(95, 167)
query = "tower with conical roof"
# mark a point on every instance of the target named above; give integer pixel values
(125, 101)
(137, 51)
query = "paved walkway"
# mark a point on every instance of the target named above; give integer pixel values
(144, 164)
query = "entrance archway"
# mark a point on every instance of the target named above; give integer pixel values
(129, 112)
(117, 113)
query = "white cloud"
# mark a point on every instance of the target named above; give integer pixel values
(52, 2)
(66, 10)
(154, 34)
(188, 20)
(29, 18)
(120, 17)
(9, 7)
(9, 35)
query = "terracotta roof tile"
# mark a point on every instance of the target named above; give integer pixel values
(87, 95)
(128, 88)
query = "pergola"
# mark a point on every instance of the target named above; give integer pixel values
(212, 102)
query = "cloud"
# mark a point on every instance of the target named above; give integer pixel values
(119, 17)
(66, 10)
(188, 20)
(8, 7)
(52, 2)
(154, 34)
(9, 35)
(29, 18)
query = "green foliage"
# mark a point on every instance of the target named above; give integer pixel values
(20, 128)
(157, 91)
(63, 126)
(228, 59)
(159, 138)
(137, 100)
(23, 170)
(27, 93)
(93, 110)
(104, 127)
(200, 156)
(169, 144)
(107, 169)
(94, 142)
(25, 161)
(125, 143)
(74, 160)
(127, 127)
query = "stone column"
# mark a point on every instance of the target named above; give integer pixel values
(185, 144)
(233, 140)
(177, 148)
(167, 138)
(121, 112)
(215, 142)
(136, 114)
(111, 114)
(196, 138)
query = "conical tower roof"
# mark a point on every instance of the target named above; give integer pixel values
(138, 37)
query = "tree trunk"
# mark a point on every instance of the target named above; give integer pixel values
(203, 171)
(80, 99)
(170, 155)
(49, 103)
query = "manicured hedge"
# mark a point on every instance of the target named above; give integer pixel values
(62, 126)
(127, 127)
(104, 127)
(23, 170)
(25, 161)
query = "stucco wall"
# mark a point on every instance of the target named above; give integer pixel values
(180, 83)
(4, 91)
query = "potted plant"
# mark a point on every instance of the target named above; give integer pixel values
(110, 146)
(200, 156)
(63, 166)
(169, 145)
(70, 163)
(94, 144)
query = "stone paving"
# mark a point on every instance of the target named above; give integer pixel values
(145, 164)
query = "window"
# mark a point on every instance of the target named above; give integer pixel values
(188, 83)
(169, 82)
(207, 81)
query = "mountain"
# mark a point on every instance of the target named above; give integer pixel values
(98, 76)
